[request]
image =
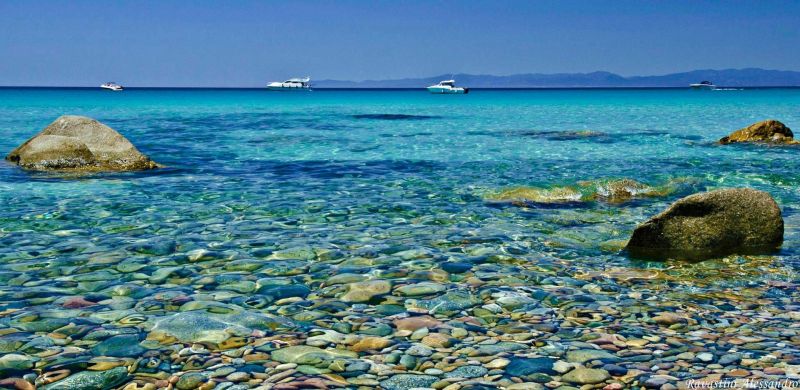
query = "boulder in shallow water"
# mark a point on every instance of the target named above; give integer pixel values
(77, 143)
(610, 191)
(770, 131)
(711, 224)
(621, 190)
(523, 195)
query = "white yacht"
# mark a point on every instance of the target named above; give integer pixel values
(703, 85)
(447, 86)
(112, 86)
(291, 85)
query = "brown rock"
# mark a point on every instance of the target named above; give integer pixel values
(371, 343)
(438, 340)
(16, 383)
(414, 323)
(668, 318)
(711, 224)
(366, 290)
(770, 131)
(77, 303)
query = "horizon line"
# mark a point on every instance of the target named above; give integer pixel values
(399, 88)
(451, 75)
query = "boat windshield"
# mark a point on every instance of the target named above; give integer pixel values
(449, 83)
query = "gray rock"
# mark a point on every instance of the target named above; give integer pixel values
(79, 143)
(705, 357)
(190, 381)
(731, 358)
(91, 380)
(408, 361)
(312, 356)
(711, 224)
(522, 367)
(419, 350)
(126, 345)
(503, 346)
(423, 288)
(15, 362)
(203, 327)
(408, 381)
(583, 376)
(467, 372)
(585, 355)
(449, 303)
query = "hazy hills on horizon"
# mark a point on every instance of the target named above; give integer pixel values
(749, 77)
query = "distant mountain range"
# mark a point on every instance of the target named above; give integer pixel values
(750, 77)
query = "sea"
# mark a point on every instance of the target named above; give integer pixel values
(274, 209)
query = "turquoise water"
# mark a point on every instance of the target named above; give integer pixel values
(291, 188)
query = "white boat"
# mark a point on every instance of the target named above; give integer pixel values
(703, 85)
(447, 86)
(291, 85)
(112, 86)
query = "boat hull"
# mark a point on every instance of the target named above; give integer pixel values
(446, 91)
(276, 88)
(702, 87)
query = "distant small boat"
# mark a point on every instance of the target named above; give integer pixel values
(447, 86)
(703, 85)
(112, 86)
(295, 84)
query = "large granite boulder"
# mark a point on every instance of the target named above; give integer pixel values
(711, 224)
(769, 131)
(78, 143)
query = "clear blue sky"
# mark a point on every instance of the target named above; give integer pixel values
(247, 43)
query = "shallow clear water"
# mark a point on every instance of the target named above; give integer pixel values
(238, 154)
(284, 179)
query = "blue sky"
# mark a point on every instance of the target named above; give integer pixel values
(247, 43)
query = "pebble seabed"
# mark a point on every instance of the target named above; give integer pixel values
(375, 275)
(472, 314)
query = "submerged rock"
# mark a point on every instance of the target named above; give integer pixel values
(538, 195)
(203, 327)
(91, 380)
(625, 189)
(366, 290)
(582, 375)
(79, 143)
(522, 367)
(15, 362)
(467, 372)
(189, 381)
(408, 381)
(449, 303)
(304, 354)
(612, 191)
(716, 223)
(770, 131)
(585, 355)
(126, 345)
